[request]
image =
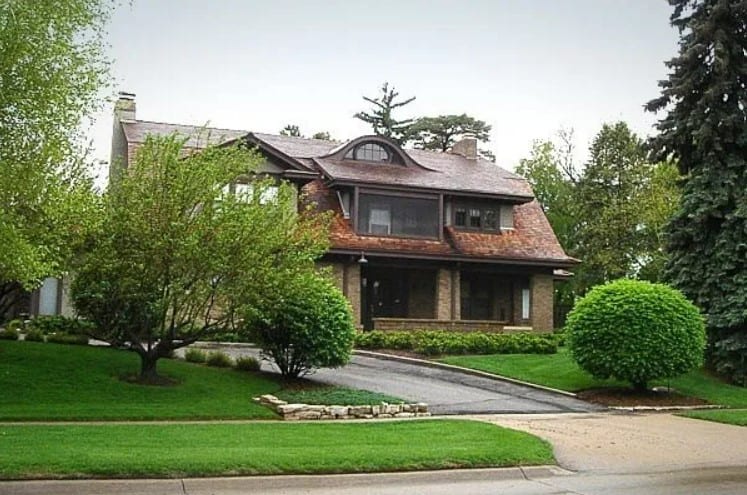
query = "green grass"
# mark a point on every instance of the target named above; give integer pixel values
(60, 382)
(42, 451)
(732, 417)
(561, 372)
(342, 396)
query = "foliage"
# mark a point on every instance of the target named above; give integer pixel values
(272, 448)
(64, 338)
(440, 133)
(179, 255)
(635, 331)
(193, 355)
(436, 342)
(51, 382)
(9, 334)
(52, 68)
(34, 336)
(293, 130)
(328, 395)
(60, 324)
(704, 129)
(247, 363)
(380, 117)
(219, 359)
(306, 324)
(19, 325)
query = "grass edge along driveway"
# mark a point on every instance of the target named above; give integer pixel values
(179, 450)
(561, 372)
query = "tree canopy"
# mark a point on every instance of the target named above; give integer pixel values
(440, 133)
(381, 115)
(52, 70)
(705, 130)
(186, 244)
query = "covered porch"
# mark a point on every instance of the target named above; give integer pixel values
(395, 295)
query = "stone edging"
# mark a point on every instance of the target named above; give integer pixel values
(703, 407)
(460, 369)
(307, 411)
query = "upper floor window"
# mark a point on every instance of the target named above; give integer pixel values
(380, 214)
(373, 152)
(483, 217)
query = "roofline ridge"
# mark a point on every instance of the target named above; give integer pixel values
(145, 121)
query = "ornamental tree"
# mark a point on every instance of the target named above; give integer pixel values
(705, 129)
(635, 331)
(178, 253)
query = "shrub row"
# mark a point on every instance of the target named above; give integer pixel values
(58, 324)
(436, 342)
(221, 360)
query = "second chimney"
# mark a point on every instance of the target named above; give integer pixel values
(124, 108)
(466, 147)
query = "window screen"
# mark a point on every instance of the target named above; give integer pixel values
(392, 215)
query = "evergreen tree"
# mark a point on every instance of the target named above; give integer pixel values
(380, 117)
(291, 130)
(705, 130)
(440, 133)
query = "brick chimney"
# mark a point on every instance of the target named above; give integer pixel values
(124, 108)
(466, 147)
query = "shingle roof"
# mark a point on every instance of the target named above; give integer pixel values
(531, 241)
(198, 136)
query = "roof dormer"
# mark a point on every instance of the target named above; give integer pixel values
(372, 149)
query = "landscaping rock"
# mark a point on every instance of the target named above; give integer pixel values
(293, 412)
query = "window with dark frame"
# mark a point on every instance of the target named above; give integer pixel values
(475, 216)
(460, 217)
(381, 214)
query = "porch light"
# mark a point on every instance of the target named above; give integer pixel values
(362, 260)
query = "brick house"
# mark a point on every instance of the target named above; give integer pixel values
(420, 239)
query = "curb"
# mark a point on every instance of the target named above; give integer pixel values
(704, 407)
(460, 369)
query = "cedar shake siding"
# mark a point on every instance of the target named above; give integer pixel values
(419, 239)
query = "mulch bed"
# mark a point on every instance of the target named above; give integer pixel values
(623, 397)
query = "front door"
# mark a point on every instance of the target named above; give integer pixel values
(384, 295)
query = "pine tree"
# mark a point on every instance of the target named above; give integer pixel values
(381, 119)
(705, 130)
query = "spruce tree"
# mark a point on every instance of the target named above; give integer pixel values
(705, 130)
(381, 119)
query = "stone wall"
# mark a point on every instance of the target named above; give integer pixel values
(307, 411)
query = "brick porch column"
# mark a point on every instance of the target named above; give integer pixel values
(541, 301)
(443, 294)
(352, 289)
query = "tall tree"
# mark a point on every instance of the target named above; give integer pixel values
(380, 117)
(440, 133)
(52, 69)
(291, 130)
(705, 130)
(178, 256)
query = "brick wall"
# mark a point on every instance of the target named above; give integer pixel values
(444, 294)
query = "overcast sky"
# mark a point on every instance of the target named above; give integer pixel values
(527, 67)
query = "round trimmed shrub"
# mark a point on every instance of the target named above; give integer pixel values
(306, 324)
(635, 331)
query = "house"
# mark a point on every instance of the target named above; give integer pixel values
(420, 239)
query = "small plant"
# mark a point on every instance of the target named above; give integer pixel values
(247, 363)
(636, 331)
(219, 359)
(64, 338)
(193, 355)
(9, 334)
(15, 325)
(34, 336)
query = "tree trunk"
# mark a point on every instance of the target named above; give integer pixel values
(148, 371)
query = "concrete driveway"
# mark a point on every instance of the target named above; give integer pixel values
(445, 391)
(614, 443)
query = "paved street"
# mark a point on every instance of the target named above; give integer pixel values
(446, 392)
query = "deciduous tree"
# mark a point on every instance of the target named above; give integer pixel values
(179, 255)
(52, 69)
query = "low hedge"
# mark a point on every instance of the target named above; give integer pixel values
(58, 324)
(437, 342)
(64, 338)
(8, 334)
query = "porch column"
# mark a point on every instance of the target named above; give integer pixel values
(541, 302)
(456, 294)
(352, 289)
(444, 294)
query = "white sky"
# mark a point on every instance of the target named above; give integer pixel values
(527, 67)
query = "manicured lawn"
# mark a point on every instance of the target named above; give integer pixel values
(335, 396)
(561, 372)
(731, 417)
(59, 382)
(41, 451)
